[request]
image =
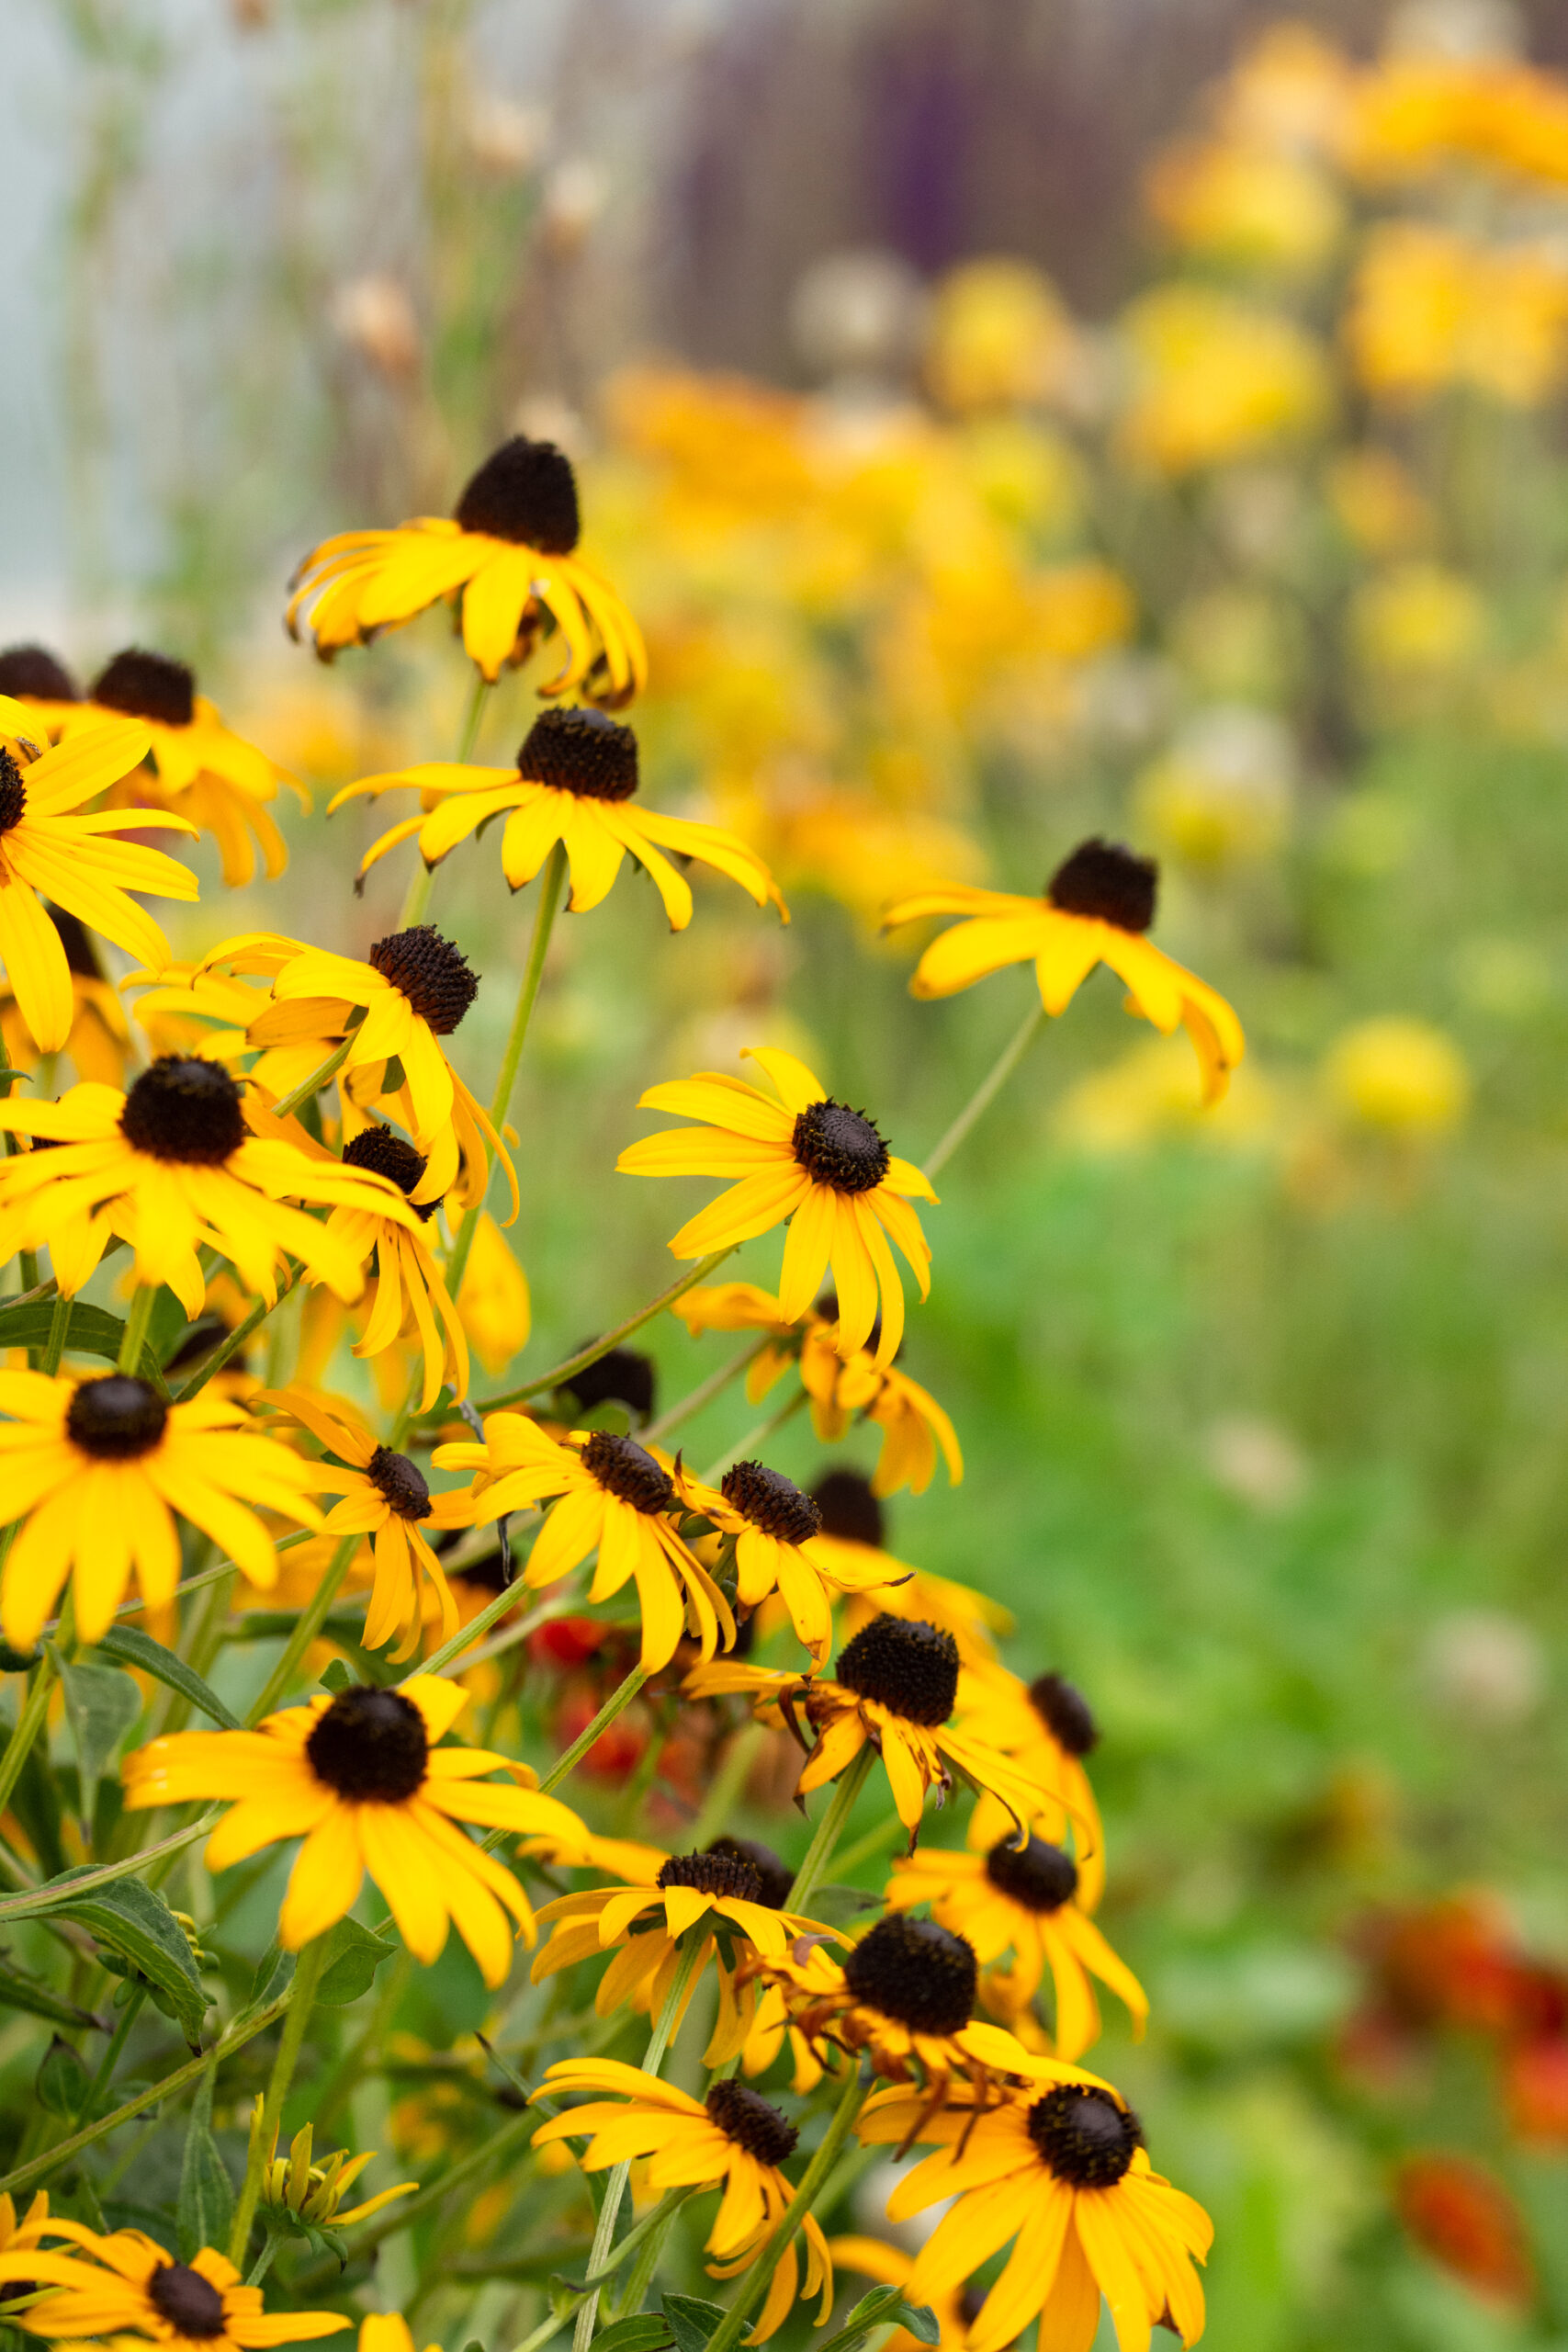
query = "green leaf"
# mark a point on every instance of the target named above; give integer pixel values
(274, 1971)
(206, 2208)
(883, 2307)
(642, 2332)
(918, 2320)
(692, 2321)
(92, 1333)
(20, 1992)
(101, 1704)
(353, 1955)
(133, 1647)
(337, 1678)
(62, 2082)
(134, 1921)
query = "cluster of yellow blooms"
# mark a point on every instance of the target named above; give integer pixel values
(277, 1115)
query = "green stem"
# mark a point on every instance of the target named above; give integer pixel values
(985, 1094)
(307, 1976)
(829, 1829)
(752, 2285)
(230, 1346)
(560, 1373)
(614, 2188)
(135, 1338)
(59, 1330)
(29, 1722)
(757, 1435)
(111, 2056)
(728, 1782)
(322, 1075)
(417, 896)
(468, 1635)
(686, 1406)
(617, 1702)
(310, 1621)
(527, 992)
(38, 1902)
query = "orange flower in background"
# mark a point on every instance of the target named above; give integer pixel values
(1465, 2218)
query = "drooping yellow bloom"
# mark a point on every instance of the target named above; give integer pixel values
(172, 1167)
(507, 560)
(574, 783)
(735, 2139)
(776, 1531)
(1095, 908)
(1022, 1899)
(385, 1497)
(360, 1778)
(50, 851)
(124, 2289)
(408, 1291)
(97, 1471)
(493, 1304)
(1048, 1727)
(1064, 2173)
(613, 1495)
(896, 1685)
(805, 1159)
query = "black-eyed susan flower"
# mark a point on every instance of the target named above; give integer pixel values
(855, 1542)
(408, 1294)
(735, 2139)
(1064, 2173)
(574, 783)
(774, 1530)
(1022, 1900)
(170, 1168)
(98, 1043)
(361, 1778)
(32, 673)
(50, 851)
(723, 1891)
(123, 2288)
(1095, 908)
(385, 1495)
(33, 2227)
(615, 1495)
(896, 1685)
(315, 2192)
(388, 2332)
(97, 1471)
(508, 559)
(1048, 1727)
(805, 1159)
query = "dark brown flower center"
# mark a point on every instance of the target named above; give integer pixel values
(13, 793)
(752, 2123)
(147, 686)
(910, 1667)
(849, 1509)
(206, 1333)
(1084, 2136)
(191, 2304)
(774, 1878)
(384, 1154)
(526, 493)
(1106, 880)
(431, 972)
(714, 1873)
(1065, 1712)
(80, 955)
(184, 1108)
(772, 1502)
(581, 751)
(399, 1483)
(625, 1468)
(620, 1376)
(914, 1971)
(1041, 1877)
(115, 1419)
(32, 672)
(370, 1746)
(838, 1146)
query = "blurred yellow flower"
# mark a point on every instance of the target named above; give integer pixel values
(1376, 500)
(999, 336)
(1220, 796)
(1399, 1076)
(1247, 205)
(1146, 1097)
(1417, 621)
(1215, 379)
(1290, 89)
(493, 1301)
(1429, 306)
(1420, 110)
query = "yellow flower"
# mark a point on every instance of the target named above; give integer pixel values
(492, 1299)
(999, 336)
(1022, 1899)
(1217, 379)
(388, 2332)
(1399, 1077)
(1431, 307)
(48, 850)
(385, 1497)
(1417, 623)
(359, 1777)
(97, 1470)
(736, 2139)
(615, 1496)
(776, 1533)
(407, 1292)
(172, 1167)
(125, 2285)
(574, 781)
(1095, 908)
(1048, 1728)
(315, 2192)
(1234, 201)
(897, 1686)
(99, 1039)
(1064, 2174)
(31, 2230)
(507, 558)
(1420, 110)
(805, 1159)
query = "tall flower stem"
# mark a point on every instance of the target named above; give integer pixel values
(685, 1408)
(990, 1086)
(307, 1976)
(617, 1702)
(559, 1373)
(136, 1324)
(111, 2056)
(237, 1338)
(322, 1075)
(614, 2188)
(35, 1709)
(527, 992)
(829, 1829)
(59, 1331)
(727, 2333)
(312, 1617)
(417, 896)
(755, 1436)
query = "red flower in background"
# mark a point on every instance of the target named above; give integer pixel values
(1535, 2088)
(1467, 2222)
